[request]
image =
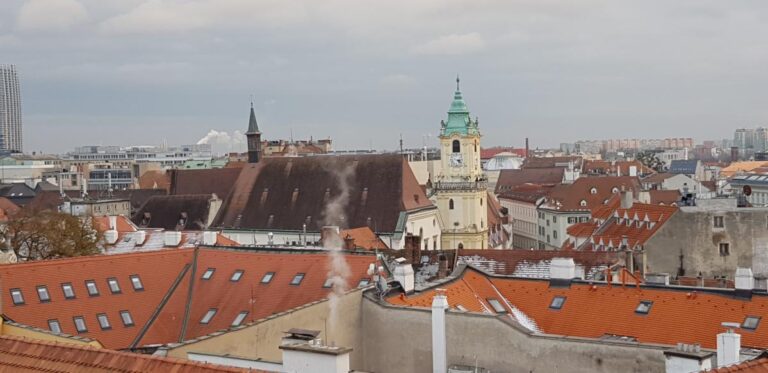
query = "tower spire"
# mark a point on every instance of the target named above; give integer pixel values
(457, 82)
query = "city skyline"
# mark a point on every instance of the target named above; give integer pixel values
(138, 72)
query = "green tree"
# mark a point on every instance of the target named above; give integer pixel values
(651, 161)
(35, 235)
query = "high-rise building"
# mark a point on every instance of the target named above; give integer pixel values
(10, 110)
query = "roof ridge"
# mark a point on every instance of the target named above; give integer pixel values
(88, 258)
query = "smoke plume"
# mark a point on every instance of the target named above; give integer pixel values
(223, 142)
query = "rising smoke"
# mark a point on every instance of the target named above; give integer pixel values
(223, 142)
(334, 214)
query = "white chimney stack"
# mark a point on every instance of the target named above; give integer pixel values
(439, 350)
(744, 279)
(405, 276)
(113, 222)
(728, 345)
(171, 238)
(110, 237)
(562, 269)
(209, 238)
(633, 171)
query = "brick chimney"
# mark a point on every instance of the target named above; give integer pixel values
(442, 266)
(412, 248)
(349, 242)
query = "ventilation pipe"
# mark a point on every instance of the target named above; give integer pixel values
(728, 345)
(439, 350)
(404, 275)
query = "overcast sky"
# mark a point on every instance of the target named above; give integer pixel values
(362, 72)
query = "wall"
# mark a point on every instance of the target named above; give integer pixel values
(557, 221)
(690, 233)
(525, 223)
(261, 339)
(7, 328)
(498, 345)
(426, 223)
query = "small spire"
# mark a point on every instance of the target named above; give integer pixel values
(457, 82)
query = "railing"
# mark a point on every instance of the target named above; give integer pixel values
(460, 185)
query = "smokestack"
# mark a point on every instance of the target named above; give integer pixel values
(728, 345)
(442, 266)
(327, 232)
(626, 198)
(526, 147)
(439, 350)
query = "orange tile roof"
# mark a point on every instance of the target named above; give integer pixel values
(638, 224)
(166, 275)
(19, 354)
(584, 229)
(506, 262)
(123, 224)
(759, 365)
(154, 179)
(595, 310)
(568, 197)
(364, 238)
(664, 197)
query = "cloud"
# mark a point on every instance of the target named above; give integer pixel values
(51, 15)
(454, 44)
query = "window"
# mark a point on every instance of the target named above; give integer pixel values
(92, 289)
(363, 282)
(54, 326)
(328, 283)
(208, 273)
(554, 219)
(557, 302)
(725, 249)
(554, 234)
(644, 307)
(42, 293)
(236, 276)
(114, 286)
(136, 282)
(208, 316)
(583, 203)
(717, 222)
(80, 324)
(481, 201)
(69, 292)
(297, 279)
(456, 146)
(267, 277)
(103, 321)
(751, 322)
(496, 305)
(239, 319)
(572, 220)
(126, 317)
(461, 308)
(593, 190)
(17, 296)
(450, 204)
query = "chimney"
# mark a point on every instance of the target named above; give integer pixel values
(562, 269)
(140, 236)
(110, 237)
(327, 234)
(728, 345)
(171, 238)
(404, 275)
(113, 222)
(744, 279)
(687, 358)
(412, 248)
(442, 266)
(439, 351)
(209, 238)
(315, 357)
(633, 171)
(349, 243)
(626, 198)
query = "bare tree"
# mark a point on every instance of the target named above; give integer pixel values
(35, 235)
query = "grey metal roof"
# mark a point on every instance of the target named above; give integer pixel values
(681, 166)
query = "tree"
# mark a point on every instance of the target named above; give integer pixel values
(35, 235)
(651, 161)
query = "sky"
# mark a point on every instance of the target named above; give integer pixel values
(122, 72)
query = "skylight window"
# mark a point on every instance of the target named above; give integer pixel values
(239, 319)
(208, 273)
(328, 283)
(126, 317)
(751, 322)
(297, 279)
(136, 282)
(54, 326)
(69, 292)
(461, 308)
(114, 286)
(236, 276)
(17, 296)
(557, 302)
(208, 316)
(92, 289)
(267, 277)
(496, 305)
(644, 307)
(103, 321)
(80, 324)
(363, 282)
(42, 293)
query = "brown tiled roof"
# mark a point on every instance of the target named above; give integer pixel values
(166, 212)
(759, 365)
(657, 178)
(568, 197)
(549, 162)
(510, 179)
(159, 309)
(593, 310)
(364, 238)
(606, 167)
(488, 153)
(18, 354)
(286, 193)
(217, 181)
(664, 197)
(155, 179)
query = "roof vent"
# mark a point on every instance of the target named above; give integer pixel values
(146, 219)
(264, 195)
(287, 170)
(327, 195)
(294, 196)
(182, 223)
(270, 220)
(364, 197)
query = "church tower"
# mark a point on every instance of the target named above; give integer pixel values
(460, 188)
(253, 136)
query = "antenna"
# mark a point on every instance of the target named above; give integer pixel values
(401, 143)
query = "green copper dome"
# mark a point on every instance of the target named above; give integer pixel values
(458, 117)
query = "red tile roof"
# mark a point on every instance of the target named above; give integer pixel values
(166, 275)
(568, 197)
(664, 197)
(511, 179)
(364, 238)
(595, 310)
(759, 365)
(613, 168)
(19, 354)
(155, 179)
(488, 153)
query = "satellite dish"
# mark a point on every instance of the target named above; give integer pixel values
(747, 190)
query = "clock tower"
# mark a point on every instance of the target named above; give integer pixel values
(460, 188)
(253, 137)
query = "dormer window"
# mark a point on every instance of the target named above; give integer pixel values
(615, 190)
(593, 190)
(583, 203)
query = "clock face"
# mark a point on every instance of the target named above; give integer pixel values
(457, 160)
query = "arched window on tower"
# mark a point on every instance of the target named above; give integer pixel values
(456, 146)
(450, 204)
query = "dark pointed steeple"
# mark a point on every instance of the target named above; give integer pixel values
(253, 136)
(253, 127)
